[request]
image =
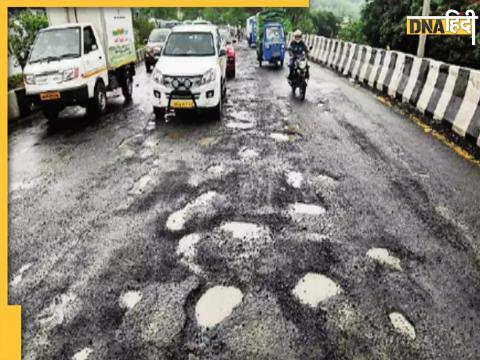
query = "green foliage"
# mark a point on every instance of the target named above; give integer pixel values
(341, 8)
(142, 28)
(352, 31)
(23, 28)
(383, 25)
(15, 81)
(324, 23)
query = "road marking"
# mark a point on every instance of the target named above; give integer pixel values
(244, 230)
(240, 125)
(177, 220)
(402, 325)
(313, 288)
(139, 187)
(439, 136)
(82, 354)
(383, 256)
(294, 179)
(216, 304)
(62, 308)
(129, 299)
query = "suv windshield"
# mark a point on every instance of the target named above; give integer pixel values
(158, 35)
(190, 44)
(56, 44)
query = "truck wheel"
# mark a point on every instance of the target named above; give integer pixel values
(51, 113)
(98, 105)
(127, 86)
(159, 113)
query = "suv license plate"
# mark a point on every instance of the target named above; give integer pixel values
(50, 96)
(181, 104)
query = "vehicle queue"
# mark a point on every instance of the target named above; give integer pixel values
(86, 52)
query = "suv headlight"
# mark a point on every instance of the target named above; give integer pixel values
(29, 79)
(70, 74)
(209, 76)
(157, 76)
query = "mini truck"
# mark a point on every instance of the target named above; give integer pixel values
(270, 37)
(84, 53)
(251, 35)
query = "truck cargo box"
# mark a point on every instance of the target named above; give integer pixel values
(114, 28)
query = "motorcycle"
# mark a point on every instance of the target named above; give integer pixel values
(300, 75)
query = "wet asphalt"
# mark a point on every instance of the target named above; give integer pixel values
(119, 226)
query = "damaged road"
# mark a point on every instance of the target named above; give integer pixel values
(325, 229)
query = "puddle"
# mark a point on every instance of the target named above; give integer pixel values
(186, 251)
(294, 179)
(314, 288)
(248, 154)
(140, 185)
(279, 137)
(216, 304)
(244, 230)
(402, 325)
(177, 220)
(129, 299)
(19, 277)
(306, 209)
(240, 125)
(82, 354)
(62, 308)
(383, 256)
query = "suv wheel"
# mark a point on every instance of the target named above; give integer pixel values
(51, 113)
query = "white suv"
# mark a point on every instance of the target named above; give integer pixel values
(191, 72)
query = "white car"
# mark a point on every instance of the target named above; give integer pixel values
(191, 73)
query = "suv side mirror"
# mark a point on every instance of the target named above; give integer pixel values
(222, 52)
(145, 41)
(234, 41)
(310, 48)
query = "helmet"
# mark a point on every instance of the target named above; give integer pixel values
(297, 35)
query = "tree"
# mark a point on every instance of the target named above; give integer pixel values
(352, 31)
(23, 28)
(324, 23)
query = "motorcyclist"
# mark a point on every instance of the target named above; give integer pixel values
(297, 48)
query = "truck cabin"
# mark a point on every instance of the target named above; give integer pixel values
(61, 42)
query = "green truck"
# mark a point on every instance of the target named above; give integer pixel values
(271, 36)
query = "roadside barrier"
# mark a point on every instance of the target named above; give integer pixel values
(443, 92)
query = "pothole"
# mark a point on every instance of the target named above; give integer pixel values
(62, 308)
(306, 209)
(186, 251)
(139, 187)
(279, 137)
(246, 153)
(240, 125)
(177, 220)
(19, 277)
(313, 288)
(244, 230)
(82, 354)
(216, 170)
(129, 299)
(216, 304)
(383, 256)
(402, 325)
(294, 179)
